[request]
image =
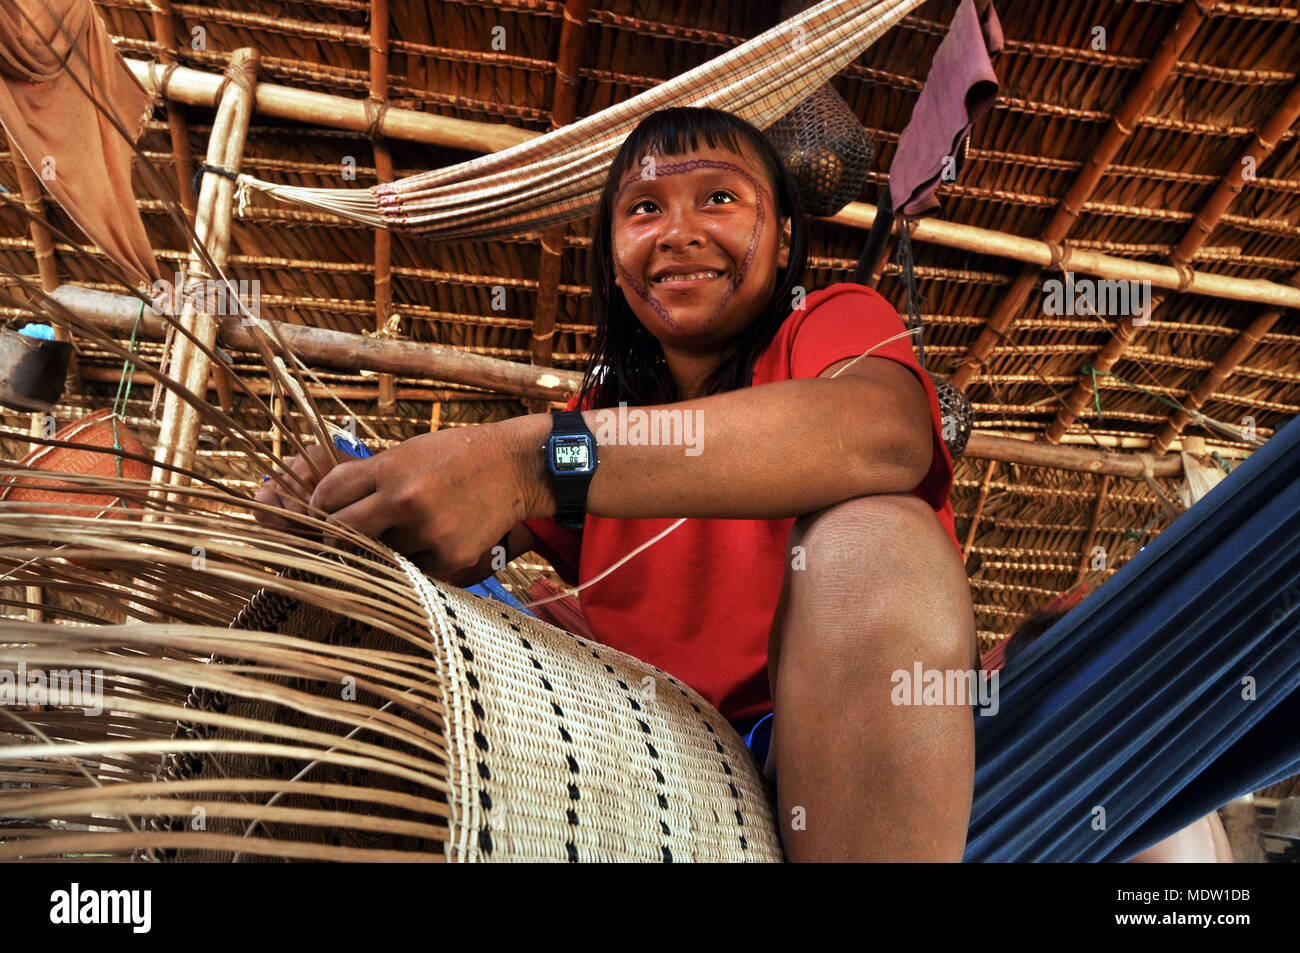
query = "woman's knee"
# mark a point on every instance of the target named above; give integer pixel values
(871, 533)
(885, 565)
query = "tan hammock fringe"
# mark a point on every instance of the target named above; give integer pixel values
(557, 177)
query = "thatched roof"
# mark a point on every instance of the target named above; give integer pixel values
(1184, 91)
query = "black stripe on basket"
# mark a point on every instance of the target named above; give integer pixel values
(480, 740)
(722, 758)
(574, 768)
(666, 855)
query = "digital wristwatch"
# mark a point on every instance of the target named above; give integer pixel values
(570, 455)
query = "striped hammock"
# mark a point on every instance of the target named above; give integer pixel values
(557, 177)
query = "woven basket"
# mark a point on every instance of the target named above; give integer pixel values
(826, 150)
(957, 414)
(549, 747)
(94, 430)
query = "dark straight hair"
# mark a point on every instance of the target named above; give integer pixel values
(633, 360)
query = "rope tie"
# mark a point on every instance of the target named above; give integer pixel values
(1172, 509)
(1096, 389)
(1185, 274)
(237, 76)
(376, 110)
(391, 329)
(215, 170)
(243, 190)
(1060, 253)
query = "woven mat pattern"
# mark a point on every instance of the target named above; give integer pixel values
(566, 750)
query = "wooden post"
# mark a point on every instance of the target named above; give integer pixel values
(35, 594)
(1241, 824)
(164, 34)
(564, 102)
(178, 432)
(384, 172)
(48, 273)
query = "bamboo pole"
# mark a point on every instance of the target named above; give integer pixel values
(982, 446)
(199, 88)
(36, 594)
(986, 241)
(1122, 123)
(384, 173)
(48, 274)
(337, 112)
(178, 433)
(979, 509)
(1205, 221)
(164, 34)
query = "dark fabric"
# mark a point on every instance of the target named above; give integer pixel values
(960, 87)
(1134, 701)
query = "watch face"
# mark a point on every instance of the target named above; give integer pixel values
(571, 454)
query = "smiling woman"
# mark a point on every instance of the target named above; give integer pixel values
(806, 554)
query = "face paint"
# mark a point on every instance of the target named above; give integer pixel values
(654, 172)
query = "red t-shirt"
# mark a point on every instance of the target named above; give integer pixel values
(699, 603)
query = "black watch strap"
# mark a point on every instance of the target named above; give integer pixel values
(570, 492)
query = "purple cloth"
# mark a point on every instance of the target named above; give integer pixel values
(960, 88)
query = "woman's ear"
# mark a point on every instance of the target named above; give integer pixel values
(783, 253)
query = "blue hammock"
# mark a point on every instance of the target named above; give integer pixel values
(1171, 690)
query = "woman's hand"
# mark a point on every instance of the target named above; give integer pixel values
(447, 496)
(275, 494)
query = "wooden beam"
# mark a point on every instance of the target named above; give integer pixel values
(117, 314)
(1204, 222)
(982, 446)
(1229, 361)
(1135, 105)
(199, 88)
(265, 388)
(987, 241)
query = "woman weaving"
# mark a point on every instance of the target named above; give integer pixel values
(818, 556)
